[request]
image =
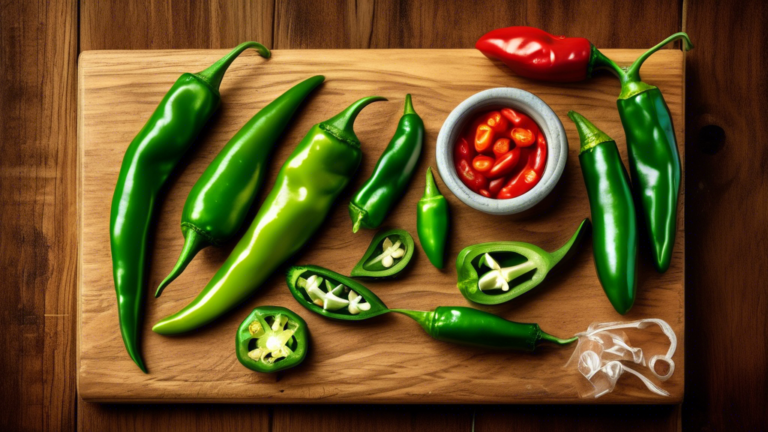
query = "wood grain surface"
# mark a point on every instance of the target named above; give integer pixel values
(388, 360)
(726, 387)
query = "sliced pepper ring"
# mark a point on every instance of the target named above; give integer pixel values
(271, 339)
(519, 267)
(374, 262)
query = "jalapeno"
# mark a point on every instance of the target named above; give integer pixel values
(432, 222)
(272, 339)
(389, 253)
(335, 296)
(493, 273)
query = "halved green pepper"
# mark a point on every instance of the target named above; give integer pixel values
(271, 339)
(389, 253)
(454, 324)
(513, 268)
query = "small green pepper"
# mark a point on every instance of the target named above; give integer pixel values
(454, 324)
(509, 269)
(432, 222)
(272, 339)
(389, 253)
(392, 173)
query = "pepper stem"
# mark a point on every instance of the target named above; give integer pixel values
(633, 72)
(589, 134)
(430, 190)
(343, 122)
(543, 336)
(600, 62)
(194, 242)
(424, 318)
(408, 105)
(358, 222)
(565, 250)
(215, 73)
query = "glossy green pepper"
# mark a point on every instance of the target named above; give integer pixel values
(432, 222)
(148, 161)
(389, 253)
(654, 160)
(271, 339)
(221, 198)
(454, 324)
(509, 269)
(392, 173)
(614, 238)
(305, 190)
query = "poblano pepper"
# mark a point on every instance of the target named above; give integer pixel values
(335, 296)
(305, 190)
(497, 272)
(392, 173)
(389, 253)
(148, 161)
(271, 339)
(432, 222)
(614, 237)
(222, 197)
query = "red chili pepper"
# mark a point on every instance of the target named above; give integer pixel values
(505, 164)
(536, 54)
(527, 178)
(485, 193)
(464, 151)
(483, 138)
(496, 121)
(523, 137)
(520, 120)
(482, 163)
(495, 185)
(473, 179)
(501, 147)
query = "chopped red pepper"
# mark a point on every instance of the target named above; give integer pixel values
(530, 175)
(495, 185)
(522, 137)
(482, 163)
(496, 121)
(473, 179)
(501, 147)
(505, 164)
(464, 151)
(520, 120)
(485, 193)
(483, 138)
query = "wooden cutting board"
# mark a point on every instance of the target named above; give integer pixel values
(388, 359)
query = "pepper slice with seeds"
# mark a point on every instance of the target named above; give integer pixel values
(272, 339)
(390, 253)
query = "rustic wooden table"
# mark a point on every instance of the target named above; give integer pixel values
(726, 199)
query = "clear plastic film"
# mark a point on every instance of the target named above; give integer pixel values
(603, 351)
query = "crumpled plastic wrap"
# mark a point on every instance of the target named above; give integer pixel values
(603, 348)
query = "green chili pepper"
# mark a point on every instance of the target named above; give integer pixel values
(614, 238)
(392, 173)
(343, 296)
(271, 339)
(221, 198)
(432, 222)
(306, 187)
(509, 269)
(389, 253)
(654, 160)
(147, 163)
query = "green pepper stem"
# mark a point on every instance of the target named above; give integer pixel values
(424, 318)
(555, 340)
(632, 73)
(600, 62)
(561, 253)
(358, 221)
(589, 134)
(194, 242)
(431, 190)
(408, 105)
(215, 73)
(343, 122)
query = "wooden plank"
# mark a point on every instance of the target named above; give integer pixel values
(372, 418)
(727, 156)
(117, 85)
(38, 55)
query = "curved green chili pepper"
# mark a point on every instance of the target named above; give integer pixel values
(454, 324)
(271, 339)
(389, 253)
(509, 268)
(654, 160)
(614, 239)
(306, 187)
(392, 173)
(221, 198)
(147, 163)
(432, 222)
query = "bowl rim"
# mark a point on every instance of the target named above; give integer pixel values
(533, 106)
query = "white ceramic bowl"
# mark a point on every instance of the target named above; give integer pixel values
(488, 100)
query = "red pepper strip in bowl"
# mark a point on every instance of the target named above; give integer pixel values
(520, 120)
(462, 160)
(526, 179)
(496, 184)
(496, 121)
(501, 147)
(483, 138)
(523, 137)
(505, 164)
(482, 163)
(536, 54)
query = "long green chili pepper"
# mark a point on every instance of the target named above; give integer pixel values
(496, 272)
(221, 198)
(654, 160)
(614, 238)
(148, 161)
(338, 297)
(393, 171)
(306, 187)
(432, 222)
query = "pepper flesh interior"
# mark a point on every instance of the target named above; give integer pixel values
(332, 299)
(390, 252)
(499, 277)
(272, 341)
